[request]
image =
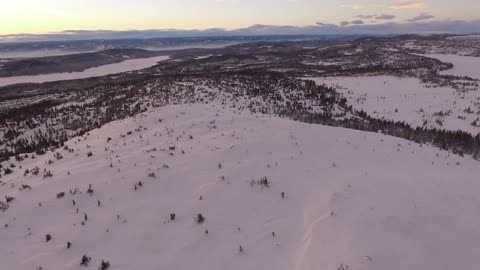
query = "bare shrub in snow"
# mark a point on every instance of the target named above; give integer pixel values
(3, 206)
(85, 261)
(199, 218)
(90, 190)
(24, 187)
(104, 265)
(47, 174)
(262, 182)
(58, 156)
(36, 170)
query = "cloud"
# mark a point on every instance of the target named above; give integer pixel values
(357, 22)
(377, 17)
(324, 24)
(365, 17)
(421, 17)
(385, 17)
(408, 5)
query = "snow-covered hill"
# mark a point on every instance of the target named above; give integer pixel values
(333, 198)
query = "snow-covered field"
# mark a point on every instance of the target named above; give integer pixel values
(462, 65)
(407, 99)
(128, 65)
(351, 198)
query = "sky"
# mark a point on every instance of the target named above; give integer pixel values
(53, 16)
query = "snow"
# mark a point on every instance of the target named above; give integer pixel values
(409, 100)
(462, 65)
(359, 199)
(203, 56)
(418, 105)
(125, 66)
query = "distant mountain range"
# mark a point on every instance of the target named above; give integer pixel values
(54, 48)
(356, 27)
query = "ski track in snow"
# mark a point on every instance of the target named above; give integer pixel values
(301, 259)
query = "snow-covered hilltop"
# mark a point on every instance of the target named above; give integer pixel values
(274, 194)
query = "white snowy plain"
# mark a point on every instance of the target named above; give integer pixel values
(407, 99)
(462, 65)
(125, 66)
(365, 200)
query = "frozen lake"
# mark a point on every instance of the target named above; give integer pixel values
(462, 65)
(128, 65)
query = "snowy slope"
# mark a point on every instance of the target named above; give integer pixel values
(351, 198)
